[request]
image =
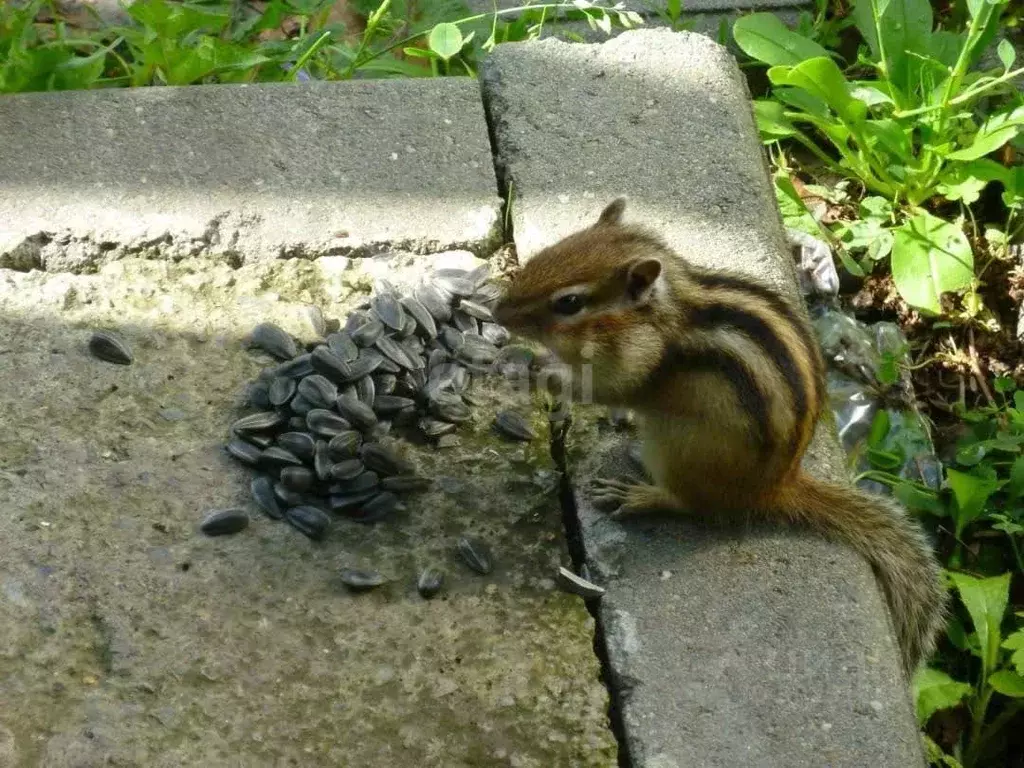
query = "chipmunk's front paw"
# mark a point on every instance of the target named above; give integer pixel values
(630, 497)
(608, 491)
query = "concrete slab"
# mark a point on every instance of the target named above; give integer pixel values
(127, 638)
(754, 647)
(245, 172)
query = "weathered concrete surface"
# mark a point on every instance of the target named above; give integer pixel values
(127, 638)
(758, 648)
(244, 171)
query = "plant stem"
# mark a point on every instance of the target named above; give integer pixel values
(964, 97)
(294, 73)
(358, 62)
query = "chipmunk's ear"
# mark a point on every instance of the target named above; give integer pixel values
(640, 279)
(612, 214)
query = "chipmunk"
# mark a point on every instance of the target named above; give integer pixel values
(728, 384)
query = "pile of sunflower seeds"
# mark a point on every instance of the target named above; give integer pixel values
(321, 432)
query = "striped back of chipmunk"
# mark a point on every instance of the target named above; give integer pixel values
(763, 348)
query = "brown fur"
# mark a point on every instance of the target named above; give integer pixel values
(728, 383)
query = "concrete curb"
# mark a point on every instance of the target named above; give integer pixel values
(725, 648)
(260, 172)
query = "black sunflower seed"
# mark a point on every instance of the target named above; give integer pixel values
(342, 345)
(110, 348)
(346, 470)
(388, 309)
(513, 425)
(276, 457)
(326, 423)
(224, 521)
(330, 365)
(391, 404)
(297, 368)
(282, 388)
(434, 428)
(322, 460)
(245, 452)
(367, 333)
(360, 580)
(394, 351)
(344, 445)
(366, 390)
(311, 521)
(297, 478)
(257, 394)
(356, 412)
(457, 286)
(347, 500)
(263, 494)
(383, 460)
(434, 301)
(476, 555)
(273, 340)
(430, 582)
(300, 406)
(318, 390)
(301, 444)
(421, 315)
(264, 421)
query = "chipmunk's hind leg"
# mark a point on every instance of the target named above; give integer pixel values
(633, 497)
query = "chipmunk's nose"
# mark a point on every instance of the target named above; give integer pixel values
(503, 312)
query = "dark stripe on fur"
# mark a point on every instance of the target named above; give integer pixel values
(761, 333)
(776, 302)
(751, 399)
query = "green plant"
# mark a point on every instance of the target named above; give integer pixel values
(904, 121)
(981, 509)
(33, 61)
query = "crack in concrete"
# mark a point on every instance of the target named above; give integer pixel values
(559, 430)
(574, 538)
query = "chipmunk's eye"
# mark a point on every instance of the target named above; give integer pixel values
(569, 304)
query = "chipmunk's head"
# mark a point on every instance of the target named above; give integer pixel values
(588, 286)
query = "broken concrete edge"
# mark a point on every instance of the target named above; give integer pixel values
(25, 253)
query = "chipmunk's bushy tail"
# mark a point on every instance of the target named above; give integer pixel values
(893, 543)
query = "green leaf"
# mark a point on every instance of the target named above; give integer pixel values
(876, 207)
(445, 40)
(890, 136)
(1002, 384)
(884, 459)
(879, 428)
(762, 36)
(971, 493)
(985, 600)
(772, 121)
(935, 690)
(1018, 400)
(1016, 484)
(1007, 683)
(794, 213)
(970, 455)
(995, 132)
(1015, 643)
(905, 27)
(930, 257)
(823, 79)
(1007, 53)
(914, 498)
